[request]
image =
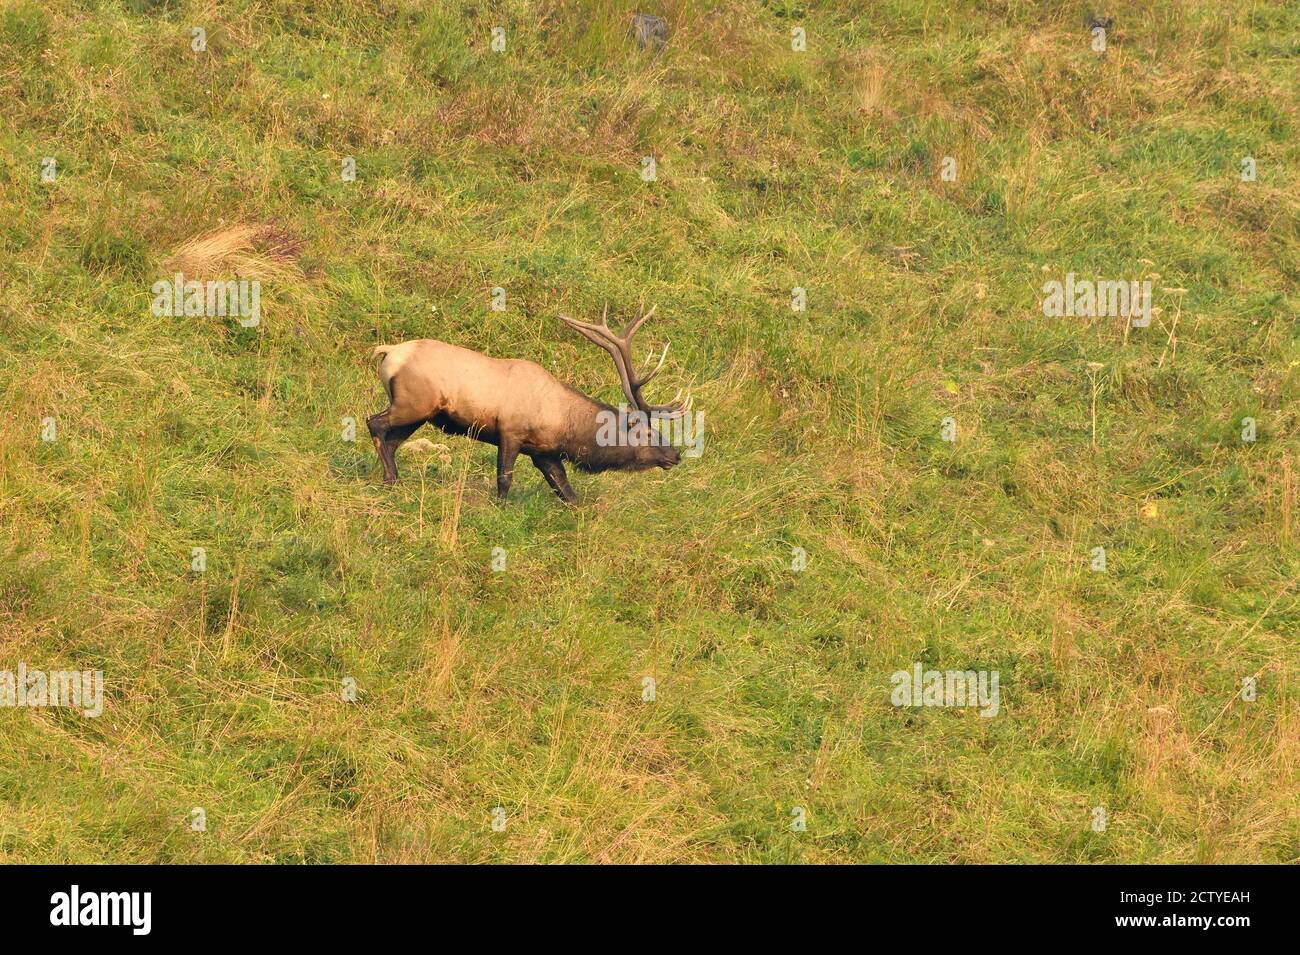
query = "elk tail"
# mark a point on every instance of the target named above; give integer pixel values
(381, 352)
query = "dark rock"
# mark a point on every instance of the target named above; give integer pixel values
(651, 32)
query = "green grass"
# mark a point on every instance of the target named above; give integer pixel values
(523, 689)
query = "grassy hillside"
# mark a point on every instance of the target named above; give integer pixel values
(523, 689)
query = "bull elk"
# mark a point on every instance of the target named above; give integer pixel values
(523, 409)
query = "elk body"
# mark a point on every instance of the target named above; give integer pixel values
(522, 408)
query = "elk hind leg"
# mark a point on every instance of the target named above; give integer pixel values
(388, 437)
(378, 426)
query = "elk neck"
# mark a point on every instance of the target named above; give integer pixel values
(581, 446)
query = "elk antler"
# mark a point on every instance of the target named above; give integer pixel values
(619, 347)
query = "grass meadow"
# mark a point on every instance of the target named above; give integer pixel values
(523, 689)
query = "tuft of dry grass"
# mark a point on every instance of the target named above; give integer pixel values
(247, 250)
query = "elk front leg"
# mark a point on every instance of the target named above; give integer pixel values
(507, 452)
(552, 469)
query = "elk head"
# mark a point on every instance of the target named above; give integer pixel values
(645, 448)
